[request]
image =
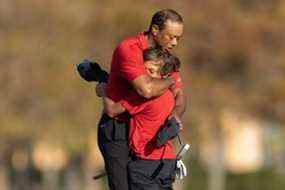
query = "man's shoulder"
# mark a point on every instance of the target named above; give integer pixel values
(131, 43)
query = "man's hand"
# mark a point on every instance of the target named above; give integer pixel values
(101, 89)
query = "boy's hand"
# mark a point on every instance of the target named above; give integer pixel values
(177, 118)
(168, 131)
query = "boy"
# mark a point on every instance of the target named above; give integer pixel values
(151, 167)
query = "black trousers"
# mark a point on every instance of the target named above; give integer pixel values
(113, 144)
(151, 174)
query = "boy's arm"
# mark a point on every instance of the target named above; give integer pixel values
(133, 103)
(180, 104)
(180, 98)
(110, 107)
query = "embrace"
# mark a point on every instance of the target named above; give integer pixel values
(143, 105)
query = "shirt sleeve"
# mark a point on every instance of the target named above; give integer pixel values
(177, 78)
(133, 103)
(131, 63)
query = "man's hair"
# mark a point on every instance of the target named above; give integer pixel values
(171, 64)
(153, 54)
(160, 18)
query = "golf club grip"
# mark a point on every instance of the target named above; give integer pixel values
(183, 150)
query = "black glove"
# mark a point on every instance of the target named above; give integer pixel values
(91, 71)
(168, 131)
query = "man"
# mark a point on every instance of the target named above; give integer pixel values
(128, 74)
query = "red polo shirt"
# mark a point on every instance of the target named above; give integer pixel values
(147, 117)
(127, 64)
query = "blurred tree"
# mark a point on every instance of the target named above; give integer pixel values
(232, 54)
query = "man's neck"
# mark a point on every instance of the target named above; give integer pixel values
(150, 40)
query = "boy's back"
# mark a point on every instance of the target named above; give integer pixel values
(147, 118)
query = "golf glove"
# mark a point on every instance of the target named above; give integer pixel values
(181, 170)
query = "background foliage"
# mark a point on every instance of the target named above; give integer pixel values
(232, 54)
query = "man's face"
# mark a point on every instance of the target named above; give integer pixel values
(153, 67)
(169, 36)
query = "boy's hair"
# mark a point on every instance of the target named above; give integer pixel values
(171, 64)
(153, 54)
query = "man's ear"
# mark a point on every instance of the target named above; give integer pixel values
(154, 29)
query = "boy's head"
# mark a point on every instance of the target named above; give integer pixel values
(160, 63)
(171, 64)
(153, 61)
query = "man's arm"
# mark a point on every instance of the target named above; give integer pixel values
(149, 87)
(131, 67)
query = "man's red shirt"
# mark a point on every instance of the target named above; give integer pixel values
(127, 64)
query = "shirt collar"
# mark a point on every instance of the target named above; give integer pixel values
(143, 40)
